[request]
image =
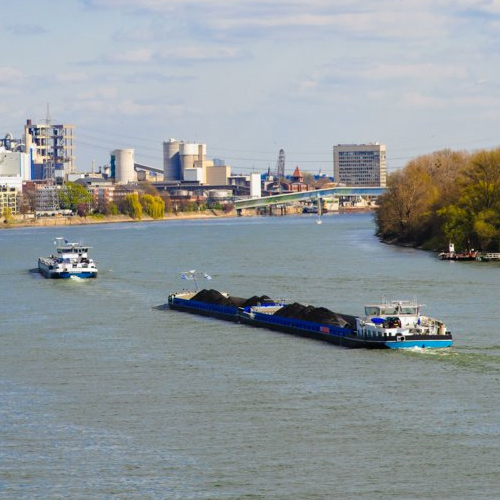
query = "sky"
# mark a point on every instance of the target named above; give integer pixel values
(248, 78)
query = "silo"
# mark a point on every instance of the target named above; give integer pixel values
(171, 160)
(189, 154)
(124, 166)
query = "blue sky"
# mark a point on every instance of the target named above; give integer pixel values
(251, 77)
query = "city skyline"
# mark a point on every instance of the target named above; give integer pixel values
(250, 79)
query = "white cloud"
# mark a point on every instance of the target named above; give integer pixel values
(137, 56)
(417, 71)
(418, 100)
(200, 53)
(72, 77)
(134, 108)
(10, 76)
(99, 93)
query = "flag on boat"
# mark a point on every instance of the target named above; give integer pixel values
(324, 329)
(206, 276)
(186, 277)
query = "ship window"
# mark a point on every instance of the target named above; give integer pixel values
(389, 310)
(409, 310)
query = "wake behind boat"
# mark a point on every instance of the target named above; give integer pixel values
(71, 260)
(386, 325)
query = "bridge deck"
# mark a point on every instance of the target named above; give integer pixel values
(309, 195)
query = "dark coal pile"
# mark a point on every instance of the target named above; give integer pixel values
(212, 297)
(215, 297)
(316, 315)
(255, 300)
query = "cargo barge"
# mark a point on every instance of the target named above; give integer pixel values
(386, 325)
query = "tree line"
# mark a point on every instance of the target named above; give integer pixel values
(446, 196)
(75, 197)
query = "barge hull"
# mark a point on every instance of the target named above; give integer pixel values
(345, 337)
(226, 313)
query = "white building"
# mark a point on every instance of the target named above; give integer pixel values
(360, 164)
(14, 167)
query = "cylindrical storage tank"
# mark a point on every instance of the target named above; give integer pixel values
(190, 153)
(181, 192)
(219, 194)
(124, 166)
(191, 148)
(171, 160)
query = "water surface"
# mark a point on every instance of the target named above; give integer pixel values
(103, 396)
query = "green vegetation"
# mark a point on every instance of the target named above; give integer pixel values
(444, 197)
(75, 197)
(131, 206)
(154, 206)
(7, 215)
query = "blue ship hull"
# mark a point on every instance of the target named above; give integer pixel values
(66, 275)
(227, 313)
(76, 275)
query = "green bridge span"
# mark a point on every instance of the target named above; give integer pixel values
(279, 199)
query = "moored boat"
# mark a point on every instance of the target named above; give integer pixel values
(71, 260)
(451, 254)
(387, 325)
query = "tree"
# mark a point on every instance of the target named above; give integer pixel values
(481, 181)
(456, 226)
(7, 214)
(169, 206)
(154, 206)
(150, 189)
(444, 197)
(72, 194)
(405, 205)
(131, 206)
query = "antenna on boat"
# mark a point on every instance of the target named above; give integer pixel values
(191, 275)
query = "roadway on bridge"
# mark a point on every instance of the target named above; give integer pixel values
(279, 199)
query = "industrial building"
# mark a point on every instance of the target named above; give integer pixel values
(187, 161)
(360, 164)
(52, 149)
(123, 166)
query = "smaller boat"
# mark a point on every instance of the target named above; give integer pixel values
(71, 260)
(451, 254)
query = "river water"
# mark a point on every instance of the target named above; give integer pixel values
(104, 396)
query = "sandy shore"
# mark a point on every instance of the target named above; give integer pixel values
(77, 221)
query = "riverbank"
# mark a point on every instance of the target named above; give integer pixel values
(20, 222)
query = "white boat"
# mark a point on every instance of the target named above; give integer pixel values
(71, 260)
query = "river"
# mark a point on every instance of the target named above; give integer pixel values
(103, 396)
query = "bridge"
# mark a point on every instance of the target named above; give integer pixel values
(316, 194)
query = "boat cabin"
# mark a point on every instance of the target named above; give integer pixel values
(396, 308)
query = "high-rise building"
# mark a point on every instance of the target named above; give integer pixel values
(52, 147)
(360, 164)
